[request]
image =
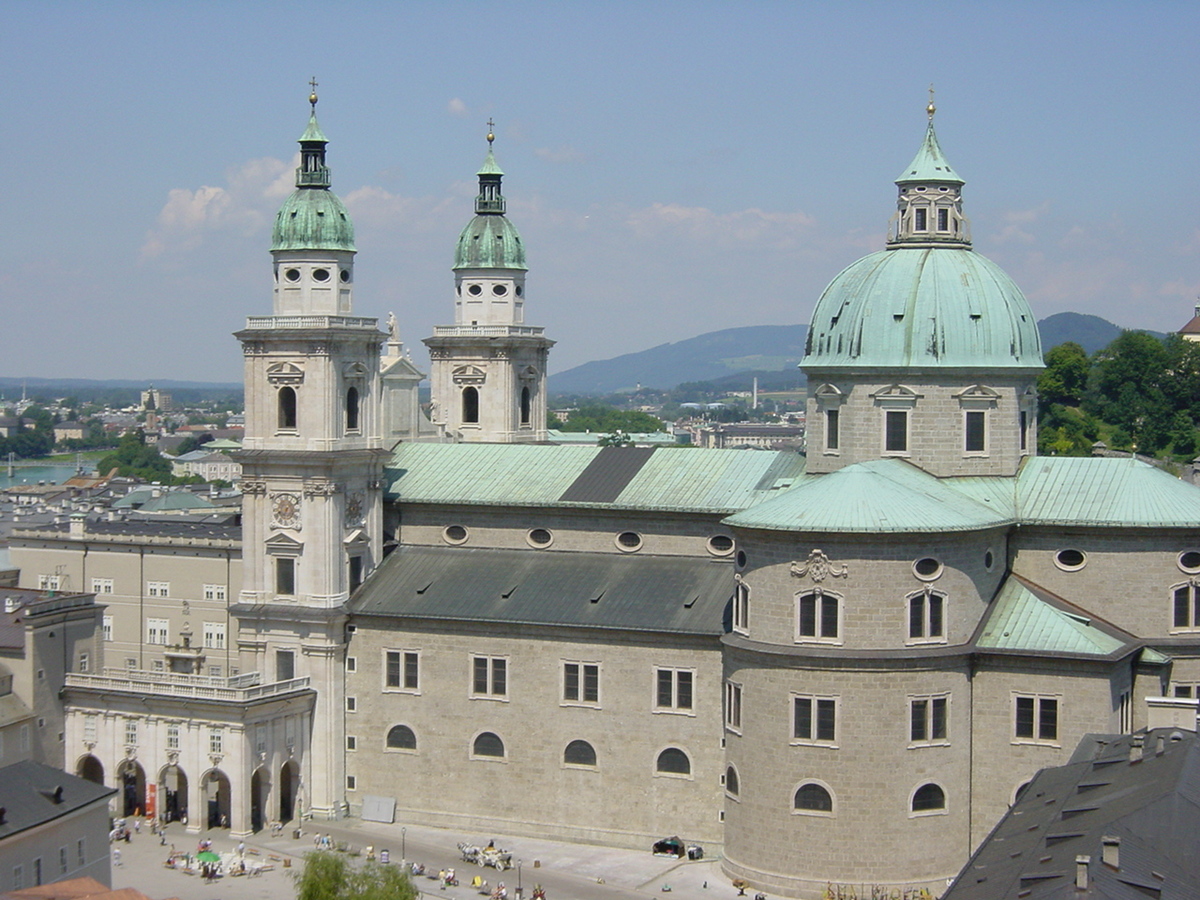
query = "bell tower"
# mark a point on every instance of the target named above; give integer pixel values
(312, 461)
(489, 367)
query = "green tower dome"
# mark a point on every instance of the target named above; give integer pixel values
(313, 217)
(489, 241)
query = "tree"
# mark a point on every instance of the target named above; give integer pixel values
(1126, 389)
(135, 458)
(1065, 377)
(597, 417)
(330, 876)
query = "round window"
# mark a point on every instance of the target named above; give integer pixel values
(1070, 560)
(741, 559)
(292, 274)
(474, 290)
(540, 537)
(927, 568)
(345, 276)
(720, 544)
(629, 541)
(320, 274)
(499, 290)
(1189, 561)
(454, 534)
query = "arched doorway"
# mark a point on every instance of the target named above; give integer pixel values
(131, 779)
(289, 780)
(215, 788)
(260, 785)
(172, 794)
(90, 769)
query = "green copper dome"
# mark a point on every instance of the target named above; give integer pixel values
(489, 242)
(313, 217)
(932, 307)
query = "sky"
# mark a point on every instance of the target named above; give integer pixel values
(673, 168)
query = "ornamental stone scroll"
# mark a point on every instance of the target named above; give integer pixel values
(818, 567)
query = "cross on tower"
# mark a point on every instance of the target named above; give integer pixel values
(491, 135)
(931, 109)
(312, 97)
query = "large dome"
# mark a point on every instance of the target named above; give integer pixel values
(489, 242)
(931, 307)
(313, 219)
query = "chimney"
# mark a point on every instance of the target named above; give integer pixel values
(1135, 748)
(1081, 872)
(78, 524)
(1111, 852)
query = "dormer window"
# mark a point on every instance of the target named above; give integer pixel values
(920, 219)
(943, 219)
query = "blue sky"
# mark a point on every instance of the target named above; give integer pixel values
(673, 168)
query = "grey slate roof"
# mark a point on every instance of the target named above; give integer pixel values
(27, 792)
(540, 587)
(1151, 804)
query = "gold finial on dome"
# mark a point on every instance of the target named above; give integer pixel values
(930, 109)
(491, 133)
(312, 97)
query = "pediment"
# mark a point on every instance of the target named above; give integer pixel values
(468, 374)
(977, 396)
(896, 395)
(286, 372)
(355, 369)
(284, 543)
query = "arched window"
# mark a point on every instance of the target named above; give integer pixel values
(470, 406)
(488, 744)
(401, 737)
(818, 615)
(287, 407)
(525, 405)
(812, 797)
(928, 797)
(579, 753)
(674, 761)
(352, 409)
(731, 781)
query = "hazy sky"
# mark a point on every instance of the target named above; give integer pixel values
(673, 168)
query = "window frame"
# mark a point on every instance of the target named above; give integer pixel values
(689, 775)
(820, 617)
(984, 429)
(161, 589)
(568, 764)
(388, 748)
(740, 618)
(943, 810)
(1040, 703)
(158, 631)
(215, 593)
(407, 670)
(102, 585)
(493, 664)
(1191, 617)
(928, 720)
(888, 434)
(924, 601)
(812, 722)
(807, 811)
(678, 676)
(582, 670)
(215, 635)
(733, 706)
(503, 757)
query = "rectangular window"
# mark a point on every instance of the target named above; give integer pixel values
(214, 741)
(106, 628)
(173, 736)
(943, 219)
(1024, 430)
(158, 588)
(89, 728)
(351, 783)
(351, 704)
(214, 671)
(351, 742)
(102, 585)
(37, 871)
(976, 431)
(156, 631)
(817, 616)
(673, 689)
(1036, 718)
(356, 573)
(1125, 712)
(85, 662)
(131, 732)
(402, 669)
(920, 219)
(814, 719)
(581, 682)
(733, 705)
(895, 438)
(214, 592)
(214, 635)
(285, 576)
(832, 435)
(489, 676)
(64, 861)
(49, 582)
(928, 721)
(81, 852)
(18, 881)
(285, 665)
(926, 616)
(741, 606)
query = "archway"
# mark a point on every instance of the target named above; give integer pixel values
(260, 785)
(172, 794)
(215, 787)
(132, 781)
(289, 780)
(90, 769)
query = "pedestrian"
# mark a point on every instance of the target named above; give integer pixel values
(116, 856)
(241, 848)
(137, 825)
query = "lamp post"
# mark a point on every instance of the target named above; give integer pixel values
(404, 847)
(520, 890)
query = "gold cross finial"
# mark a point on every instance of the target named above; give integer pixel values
(312, 97)
(491, 133)
(931, 109)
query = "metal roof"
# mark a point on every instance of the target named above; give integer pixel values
(1024, 617)
(29, 794)
(879, 496)
(669, 478)
(930, 163)
(1104, 491)
(541, 587)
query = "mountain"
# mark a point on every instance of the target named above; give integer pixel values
(1090, 332)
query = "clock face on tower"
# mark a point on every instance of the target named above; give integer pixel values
(285, 510)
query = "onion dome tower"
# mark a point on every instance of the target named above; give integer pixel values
(489, 367)
(312, 463)
(926, 350)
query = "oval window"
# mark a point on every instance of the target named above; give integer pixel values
(988, 560)
(629, 541)
(1189, 561)
(741, 559)
(1070, 559)
(454, 534)
(292, 274)
(345, 276)
(320, 274)
(499, 290)
(474, 290)
(927, 568)
(720, 544)
(540, 537)
(519, 291)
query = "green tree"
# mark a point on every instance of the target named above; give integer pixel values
(137, 459)
(1127, 389)
(331, 876)
(597, 417)
(1065, 377)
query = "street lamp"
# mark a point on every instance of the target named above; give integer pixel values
(403, 847)
(520, 890)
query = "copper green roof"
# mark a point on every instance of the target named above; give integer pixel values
(489, 242)
(313, 217)
(940, 307)
(876, 497)
(490, 167)
(313, 132)
(1020, 620)
(1104, 491)
(930, 163)
(666, 479)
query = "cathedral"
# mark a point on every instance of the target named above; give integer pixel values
(838, 668)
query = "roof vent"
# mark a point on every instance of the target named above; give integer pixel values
(1111, 851)
(1081, 872)
(58, 792)
(1135, 749)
